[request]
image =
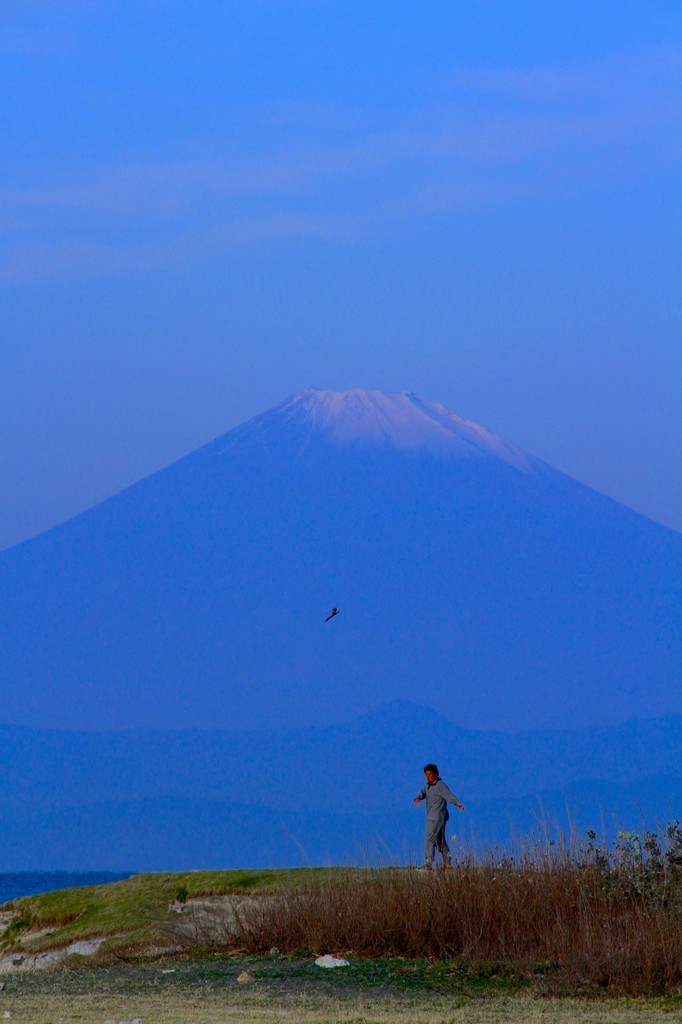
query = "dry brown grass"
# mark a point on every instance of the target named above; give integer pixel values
(584, 917)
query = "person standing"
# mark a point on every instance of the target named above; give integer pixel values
(437, 796)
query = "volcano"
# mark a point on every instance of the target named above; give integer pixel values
(471, 578)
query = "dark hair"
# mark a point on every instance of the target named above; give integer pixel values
(431, 768)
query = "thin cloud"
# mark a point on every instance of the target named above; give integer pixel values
(547, 129)
(621, 75)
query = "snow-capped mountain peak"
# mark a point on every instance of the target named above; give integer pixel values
(399, 419)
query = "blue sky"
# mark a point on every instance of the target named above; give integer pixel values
(208, 206)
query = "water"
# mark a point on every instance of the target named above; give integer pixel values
(28, 883)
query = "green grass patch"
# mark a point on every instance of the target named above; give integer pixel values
(282, 978)
(399, 975)
(135, 909)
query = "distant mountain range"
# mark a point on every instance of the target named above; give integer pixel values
(149, 799)
(471, 578)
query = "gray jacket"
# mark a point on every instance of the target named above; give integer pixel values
(437, 796)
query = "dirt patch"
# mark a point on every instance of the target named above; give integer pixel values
(214, 920)
(19, 961)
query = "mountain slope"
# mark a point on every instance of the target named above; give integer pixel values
(470, 576)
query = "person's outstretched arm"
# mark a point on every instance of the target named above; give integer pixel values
(450, 796)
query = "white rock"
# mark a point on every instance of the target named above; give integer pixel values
(331, 961)
(35, 961)
(85, 948)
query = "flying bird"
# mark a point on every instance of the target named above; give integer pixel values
(335, 611)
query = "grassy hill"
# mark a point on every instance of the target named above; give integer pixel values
(135, 912)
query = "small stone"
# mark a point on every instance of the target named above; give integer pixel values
(245, 976)
(275, 951)
(331, 961)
